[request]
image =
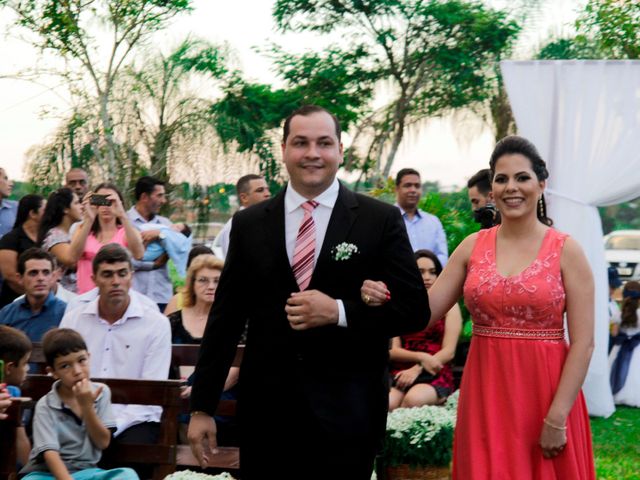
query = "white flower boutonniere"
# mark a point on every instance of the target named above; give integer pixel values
(344, 251)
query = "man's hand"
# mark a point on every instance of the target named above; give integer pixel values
(161, 261)
(149, 236)
(311, 309)
(84, 394)
(202, 438)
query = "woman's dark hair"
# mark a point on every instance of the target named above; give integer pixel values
(514, 144)
(27, 204)
(630, 302)
(424, 253)
(54, 211)
(198, 250)
(95, 228)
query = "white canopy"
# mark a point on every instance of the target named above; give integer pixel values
(584, 118)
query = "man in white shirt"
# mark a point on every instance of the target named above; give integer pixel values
(126, 337)
(251, 189)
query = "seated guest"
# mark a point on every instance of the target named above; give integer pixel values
(421, 374)
(73, 422)
(63, 209)
(105, 221)
(23, 236)
(126, 338)
(8, 208)
(177, 301)
(15, 350)
(624, 358)
(40, 310)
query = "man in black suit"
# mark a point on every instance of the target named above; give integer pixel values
(314, 389)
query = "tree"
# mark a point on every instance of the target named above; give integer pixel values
(69, 28)
(432, 57)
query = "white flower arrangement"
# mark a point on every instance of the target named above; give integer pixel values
(421, 436)
(344, 251)
(189, 475)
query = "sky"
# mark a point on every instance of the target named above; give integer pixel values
(445, 150)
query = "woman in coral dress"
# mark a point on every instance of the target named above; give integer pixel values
(521, 411)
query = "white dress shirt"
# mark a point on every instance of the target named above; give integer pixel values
(137, 346)
(293, 215)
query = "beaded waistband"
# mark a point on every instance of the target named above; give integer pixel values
(520, 333)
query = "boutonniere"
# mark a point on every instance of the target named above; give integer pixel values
(344, 251)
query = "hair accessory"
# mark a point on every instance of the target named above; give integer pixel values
(630, 294)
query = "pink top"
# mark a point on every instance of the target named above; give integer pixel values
(91, 247)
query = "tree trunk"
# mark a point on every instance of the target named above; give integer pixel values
(107, 131)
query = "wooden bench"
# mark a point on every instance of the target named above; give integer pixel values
(163, 393)
(228, 458)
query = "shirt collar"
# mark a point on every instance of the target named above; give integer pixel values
(54, 400)
(136, 215)
(293, 199)
(404, 214)
(23, 303)
(134, 310)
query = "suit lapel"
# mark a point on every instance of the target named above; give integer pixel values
(342, 217)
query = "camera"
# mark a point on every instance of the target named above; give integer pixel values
(487, 216)
(100, 200)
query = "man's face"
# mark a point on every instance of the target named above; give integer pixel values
(477, 199)
(113, 281)
(408, 192)
(258, 192)
(312, 153)
(154, 200)
(78, 181)
(6, 185)
(37, 278)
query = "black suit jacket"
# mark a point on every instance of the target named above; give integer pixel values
(336, 375)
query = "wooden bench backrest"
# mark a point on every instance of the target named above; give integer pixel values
(8, 438)
(164, 393)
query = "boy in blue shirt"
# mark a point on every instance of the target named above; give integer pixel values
(15, 350)
(73, 423)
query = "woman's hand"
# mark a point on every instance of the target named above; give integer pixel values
(185, 391)
(552, 440)
(406, 378)
(374, 294)
(89, 211)
(118, 208)
(431, 364)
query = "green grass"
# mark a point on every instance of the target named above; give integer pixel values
(616, 445)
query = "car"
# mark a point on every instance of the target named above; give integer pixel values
(622, 251)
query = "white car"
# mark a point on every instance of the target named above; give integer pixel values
(622, 250)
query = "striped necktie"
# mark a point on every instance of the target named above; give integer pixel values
(304, 252)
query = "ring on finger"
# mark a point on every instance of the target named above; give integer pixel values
(366, 298)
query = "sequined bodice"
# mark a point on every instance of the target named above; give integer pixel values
(533, 299)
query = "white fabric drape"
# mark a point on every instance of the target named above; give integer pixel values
(584, 117)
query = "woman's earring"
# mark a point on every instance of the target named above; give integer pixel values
(540, 207)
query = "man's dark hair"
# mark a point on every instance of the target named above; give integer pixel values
(404, 172)
(242, 185)
(482, 181)
(14, 344)
(146, 185)
(111, 253)
(305, 111)
(59, 342)
(33, 253)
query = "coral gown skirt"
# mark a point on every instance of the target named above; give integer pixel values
(513, 370)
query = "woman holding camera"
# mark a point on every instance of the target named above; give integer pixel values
(105, 221)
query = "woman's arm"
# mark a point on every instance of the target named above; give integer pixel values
(9, 269)
(452, 328)
(76, 247)
(64, 254)
(447, 288)
(579, 290)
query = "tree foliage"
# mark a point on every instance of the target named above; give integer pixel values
(429, 56)
(76, 31)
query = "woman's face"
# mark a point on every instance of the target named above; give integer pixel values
(516, 189)
(36, 215)
(106, 211)
(75, 209)
(205, 283)
(428, 271)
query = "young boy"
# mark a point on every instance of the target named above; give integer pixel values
(15, 350)
(73, 422)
